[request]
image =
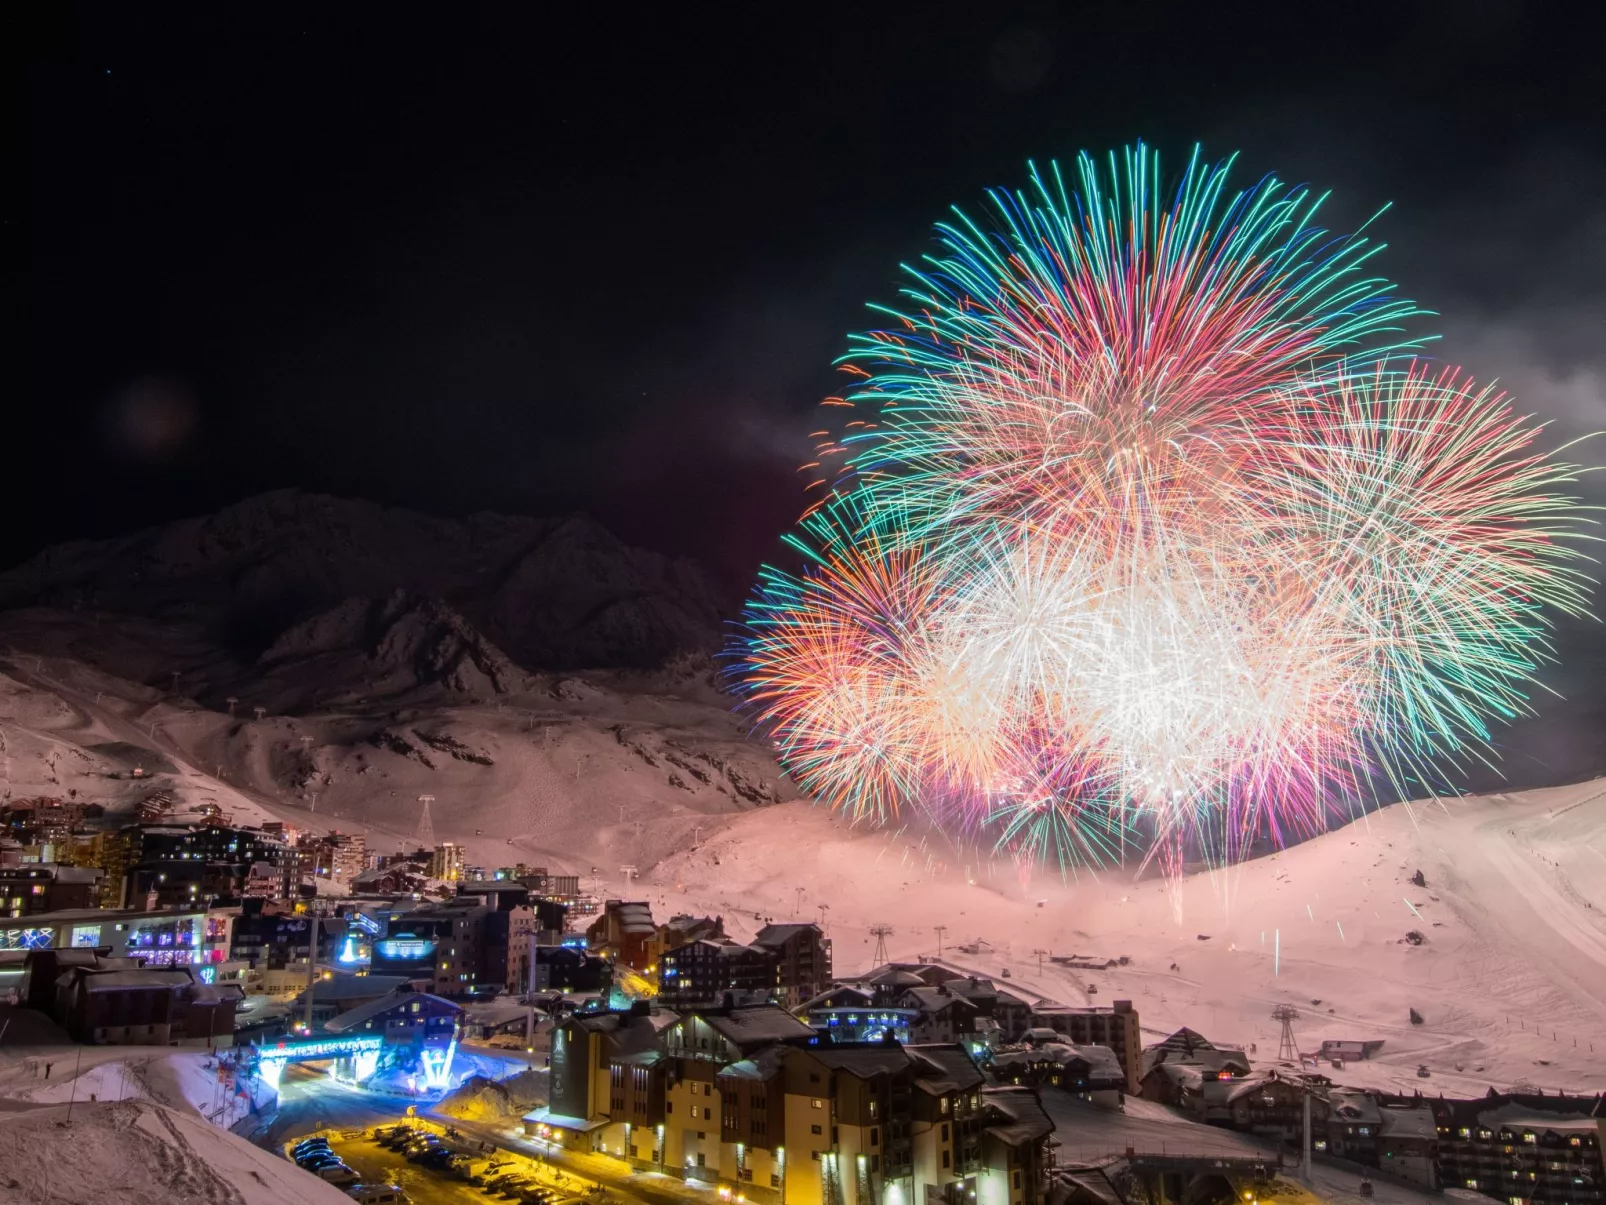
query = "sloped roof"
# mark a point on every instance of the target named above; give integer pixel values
(1354, 1107)
(844, 996)
(1212, 1059)
(1518, 1116)
(353, 987)
(1021, 1116)
(1185, 1041)
(872, 1058)
(112, 981)
(935, 999)
(945, 1067)
(773, 935)
(1102, 1062)
(896, 979)
(635, 916)
(375, 1008)
(761, 1067)
(745, 1026)
(1408, 1123)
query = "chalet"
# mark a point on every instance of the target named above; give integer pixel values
(626, 934)
(942, 1016)
(1353, 1122)
(802, 955)
(114, 1003)
(704, 972)
(1115, 1027)
(1334, 1050)
(850, 1014)
(1271, 1103)
(1408, 1144)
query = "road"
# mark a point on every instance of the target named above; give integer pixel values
(620, 1180)
(310, 1101)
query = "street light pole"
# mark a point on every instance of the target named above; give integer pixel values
(312, 966)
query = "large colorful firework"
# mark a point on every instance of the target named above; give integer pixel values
(1145, 525)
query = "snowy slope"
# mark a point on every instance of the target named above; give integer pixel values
(140, 1153)
(1510, 979)
(594, 773)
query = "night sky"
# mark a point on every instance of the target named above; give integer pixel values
(541, 263)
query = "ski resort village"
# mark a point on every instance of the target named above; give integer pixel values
(573, 942)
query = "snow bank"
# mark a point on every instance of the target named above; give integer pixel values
(181, 1081)
(140, 1153)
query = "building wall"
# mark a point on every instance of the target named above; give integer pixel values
(694, 1120)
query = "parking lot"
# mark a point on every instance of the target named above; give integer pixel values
(502, 1177)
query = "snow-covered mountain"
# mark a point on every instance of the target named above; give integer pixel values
(554, 593)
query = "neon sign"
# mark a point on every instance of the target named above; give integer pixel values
(405, 949)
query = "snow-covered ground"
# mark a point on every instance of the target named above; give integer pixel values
(184, 1080)
(592, 774)
(137, 1152)
(1510, 979)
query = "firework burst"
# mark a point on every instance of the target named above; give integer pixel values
(1143, 520)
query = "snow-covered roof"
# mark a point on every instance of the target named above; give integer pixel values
(1354, 1107)
(1022, 1118)
(354, 987)
(896, 979)
(944, 1067)
(771, 936)
(935, 999)
(1102, 1062)
(844, 996)
(880, 1058)
(1517, 1116)
(376, 1008)
(1408, 1123)
(113, 981)
(744, 1026)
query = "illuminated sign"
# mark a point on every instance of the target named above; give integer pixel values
(85, 935)
(27, 939)
(206, 974)
(322, 1048)
(405, 949)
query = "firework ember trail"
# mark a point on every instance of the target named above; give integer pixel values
(1146, 523)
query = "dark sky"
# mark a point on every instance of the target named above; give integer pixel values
(543, 258)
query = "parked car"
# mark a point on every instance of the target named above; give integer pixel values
(339, 1175)
(316, 1159)
(308, 1144)
(377, 1194)
(399, 1137)
(489, 1171)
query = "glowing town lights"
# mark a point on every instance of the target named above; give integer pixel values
(1144, 526)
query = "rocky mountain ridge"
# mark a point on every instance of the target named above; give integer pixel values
(553, 593)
